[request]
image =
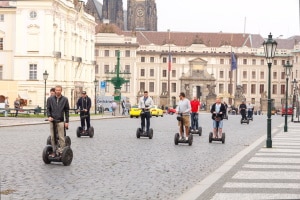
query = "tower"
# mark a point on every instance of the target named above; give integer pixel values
(113, 11)
(141, 15)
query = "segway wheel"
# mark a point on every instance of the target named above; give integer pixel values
(200, 131)
(78, 131)
(247, 121)
(138, 132)
(67, 156)
(48, 140)
(150, 133)
(46, 152)
(68, 141)
(176, 138)
(223, 138)
(241, 121)
(91, 132)
(210, 137)
(190, 140)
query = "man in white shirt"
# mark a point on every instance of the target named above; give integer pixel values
(145, 103)
(184, 109)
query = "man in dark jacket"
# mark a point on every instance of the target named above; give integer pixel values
(58, 109)
(84, 104)
(218, 110)
(243, 110)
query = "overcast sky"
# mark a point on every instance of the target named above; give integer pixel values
(280, 17)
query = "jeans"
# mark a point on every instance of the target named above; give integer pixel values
(145, 116)
(83, 119)
(60, 127)
(194, 119)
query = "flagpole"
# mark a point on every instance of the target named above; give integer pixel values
(230, 82)
(169, 69)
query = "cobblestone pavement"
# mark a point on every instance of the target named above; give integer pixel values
(115, 164)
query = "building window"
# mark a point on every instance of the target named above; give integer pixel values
(221, 74)
(107, 87)
(244, 74)
(142, 86)
(253, 89)
(127, 87)
(151, 87)
(274, 75)
(127, 53)
(173, 73)
(164, 59)
(163, 87)
(262, 62)
(1, 72)
(142, 72)
(1, 18)
(106, 69)
(253, 75)
(173, 60)
(275, 62)
(142, 59)
(151, 72)
(282, 89)
(127, 68)
(262, 75)
(173, 87)
(222, 61)
(33, 72)
(253, 62)
(283, 62)
(261, 88)
(245, 88)
(96, 69)
(116, 53)
(221, 88)
(32, 14)
(274, 89)
(152, 59)
(96, 52)
(244, 61)
(164, 74)
(1, 43)
(106, 53)
(282, 75)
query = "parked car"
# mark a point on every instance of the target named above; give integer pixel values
(135, 112)
(156, 111)
(171, 111)
(289, 110)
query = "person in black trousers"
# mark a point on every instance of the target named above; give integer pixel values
(84, 104)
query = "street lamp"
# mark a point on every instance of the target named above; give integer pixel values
(96, 84)
(118, 81)
(294, 97)
(45, 77)
(287, 70)
(269, 48)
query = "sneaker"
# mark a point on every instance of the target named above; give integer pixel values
(52, 155)
(186, 138)
(180, 138)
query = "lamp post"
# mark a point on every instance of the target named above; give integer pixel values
(294, 97)
(117, 80)
(45, 77)
(95, 83)
(287, 70)
(269, 48)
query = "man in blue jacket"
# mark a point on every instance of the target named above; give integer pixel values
(84, 104)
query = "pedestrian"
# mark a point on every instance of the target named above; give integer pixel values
(84, 104)
(195, 107)
(217, 110)
(123, 107)
(17, 106)
(6, 102)
(58, 109)
(113, 108)
(52, 91)
(183, 110)
(145, 103)
(242, 110)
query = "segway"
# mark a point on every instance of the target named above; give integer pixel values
(141, 132)
(225, 116)
(80, 131)
(66, 156)
(67, 138)
(217, 119)
(194, 130)
(177, 138)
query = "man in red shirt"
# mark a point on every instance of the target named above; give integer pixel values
(195, 105)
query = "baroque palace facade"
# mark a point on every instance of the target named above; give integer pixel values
(201, 62)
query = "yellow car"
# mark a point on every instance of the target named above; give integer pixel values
(135, 112)
(156, 111)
